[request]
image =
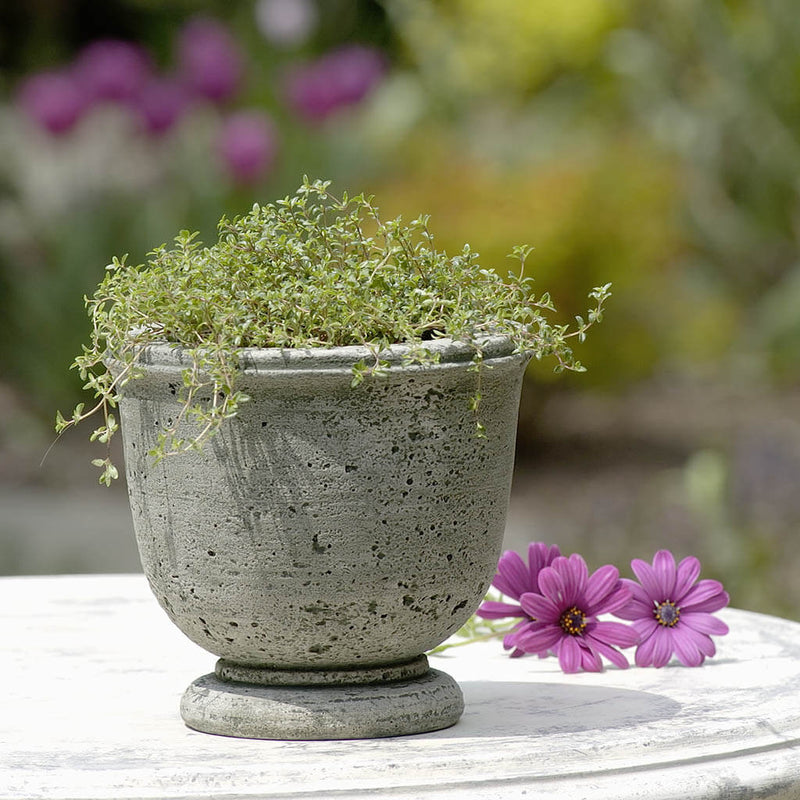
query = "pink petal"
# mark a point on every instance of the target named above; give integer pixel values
(703, 623)
(645, 627)
(574, 573)
(569, 655)
(649, 580)
(540, 608)
(590, 661)
(709, 606)
(512, 577)
(639, 593)
(539, 557)
(685, 646)
(618, 599)
(510, 639)
(644, 652)
(551, 583)
(640, 604)
(701, 593)
(600, 583)
(614, 656)
(633, 610)
(664, 569)
(688, 573)
(705, 644)
(540, 639)
(491, 609)
(615, 633)
(662, 646)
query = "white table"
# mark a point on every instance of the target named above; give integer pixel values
(93, 672)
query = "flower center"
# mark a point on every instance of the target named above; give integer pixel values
(573, 621)
(667, 614)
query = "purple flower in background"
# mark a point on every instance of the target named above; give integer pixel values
(565, 613)
(514, 577)
(248, 145)
(671, 612)
(54, 100)
(341, 78)
(210, 60)
(160, 104)
(111, 69)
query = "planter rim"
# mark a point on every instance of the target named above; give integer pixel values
(253, 359)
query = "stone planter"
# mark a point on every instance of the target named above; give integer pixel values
(328, 536)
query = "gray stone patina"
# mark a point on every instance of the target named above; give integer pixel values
(365, 711)
(357, 703)
(327, 527)
(356, 676)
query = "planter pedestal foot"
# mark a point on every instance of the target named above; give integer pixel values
(360, 710)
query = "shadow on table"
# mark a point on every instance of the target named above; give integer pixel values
(500, 708)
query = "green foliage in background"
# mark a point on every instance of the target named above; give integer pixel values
(715, 83)
(572, 210)
(470, 49)
(680, 121)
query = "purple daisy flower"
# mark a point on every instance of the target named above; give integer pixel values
(514, 577)
(566, 616)
(671, 612)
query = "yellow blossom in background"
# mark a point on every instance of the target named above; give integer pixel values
(475, 47)
(609, 212)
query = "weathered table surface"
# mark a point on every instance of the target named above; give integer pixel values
(93, 672)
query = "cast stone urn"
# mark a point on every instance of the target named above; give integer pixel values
(327, 536)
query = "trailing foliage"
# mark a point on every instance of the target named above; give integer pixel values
(311, 270)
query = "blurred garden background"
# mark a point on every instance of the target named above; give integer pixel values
(652, 145)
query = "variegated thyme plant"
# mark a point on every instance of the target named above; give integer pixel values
(312, 270)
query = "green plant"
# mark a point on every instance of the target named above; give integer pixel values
(311, 270)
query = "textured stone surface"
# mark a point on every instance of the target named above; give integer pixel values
(327, 526)
(428, 703)
(416, 668)
(93, 672)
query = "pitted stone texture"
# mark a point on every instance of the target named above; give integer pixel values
(398, 708)
(408, 670)
(325, 526)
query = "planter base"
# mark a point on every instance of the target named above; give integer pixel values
(264, 676)
(366, 711)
